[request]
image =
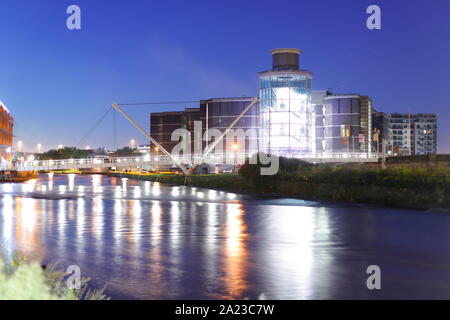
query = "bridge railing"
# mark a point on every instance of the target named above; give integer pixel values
(160, 160)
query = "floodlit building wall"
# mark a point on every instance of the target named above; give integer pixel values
(286, 112)
(163, 124)
(6, 133)
(219, 113)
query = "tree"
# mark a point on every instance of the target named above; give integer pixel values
(64, 153)
(125, 151)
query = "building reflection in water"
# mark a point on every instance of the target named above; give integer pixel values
(71, 178)
(7, 223)
(50, 181)
(80, 222)
(235, 251)
(291, 267)
(27, 236)
(175, 228)
(161, 242)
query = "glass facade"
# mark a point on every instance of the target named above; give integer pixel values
(341, 125)
(286, 114)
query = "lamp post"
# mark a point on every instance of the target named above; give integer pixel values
(19, 146)
(39, 147)
(157, 158)
(132, 143)
(235, 148)
(9, 151)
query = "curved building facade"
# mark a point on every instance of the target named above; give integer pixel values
(343, 124)
(286, 113)
(6, 133)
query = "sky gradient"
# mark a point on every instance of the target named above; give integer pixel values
(58, 82)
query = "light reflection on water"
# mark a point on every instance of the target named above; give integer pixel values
(151, 241)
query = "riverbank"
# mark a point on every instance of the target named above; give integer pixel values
(405, 188)
(17, 176)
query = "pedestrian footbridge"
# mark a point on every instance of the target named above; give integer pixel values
(163, 162)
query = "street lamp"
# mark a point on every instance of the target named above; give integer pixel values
(19, 146)
(8, 151)
(60, 146)
(39, 147)
(157, 158)
(235, 148)
(132, 143)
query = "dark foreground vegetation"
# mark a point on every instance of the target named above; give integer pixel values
(421, 187)
(22, 279)
(64, 153)
(415, 187)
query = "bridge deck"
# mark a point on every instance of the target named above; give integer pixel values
(163, 161)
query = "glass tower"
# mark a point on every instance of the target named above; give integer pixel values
(286, 112)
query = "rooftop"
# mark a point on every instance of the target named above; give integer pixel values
(286, 50)
(2, 105)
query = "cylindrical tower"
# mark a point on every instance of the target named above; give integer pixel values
(285, 59)
(286, 114)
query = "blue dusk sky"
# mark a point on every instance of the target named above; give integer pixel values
(57, 82)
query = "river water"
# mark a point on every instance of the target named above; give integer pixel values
(152, 241)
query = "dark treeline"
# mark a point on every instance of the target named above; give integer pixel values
(64, 153)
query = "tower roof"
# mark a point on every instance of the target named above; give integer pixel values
(286, 50)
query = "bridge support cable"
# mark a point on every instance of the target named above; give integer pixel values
(232, 124)
(84, 139)
(149, 137)
(157, 103)
(114, 132)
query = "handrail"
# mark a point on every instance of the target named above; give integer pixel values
(156, 160)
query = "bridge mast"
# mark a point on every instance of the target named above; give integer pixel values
(141, 130)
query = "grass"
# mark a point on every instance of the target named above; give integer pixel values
(421, 188)
(28, 280)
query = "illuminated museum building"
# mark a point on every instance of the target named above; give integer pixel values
(343, 123)
(286, 112)
(292, 120)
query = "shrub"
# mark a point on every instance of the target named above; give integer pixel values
(23, 280)
(27, 282)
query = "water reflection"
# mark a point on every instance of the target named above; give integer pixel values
(236, 252)
(148, 240)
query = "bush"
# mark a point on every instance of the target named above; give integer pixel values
(292, 164)
(23, 280)
(27, 282)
